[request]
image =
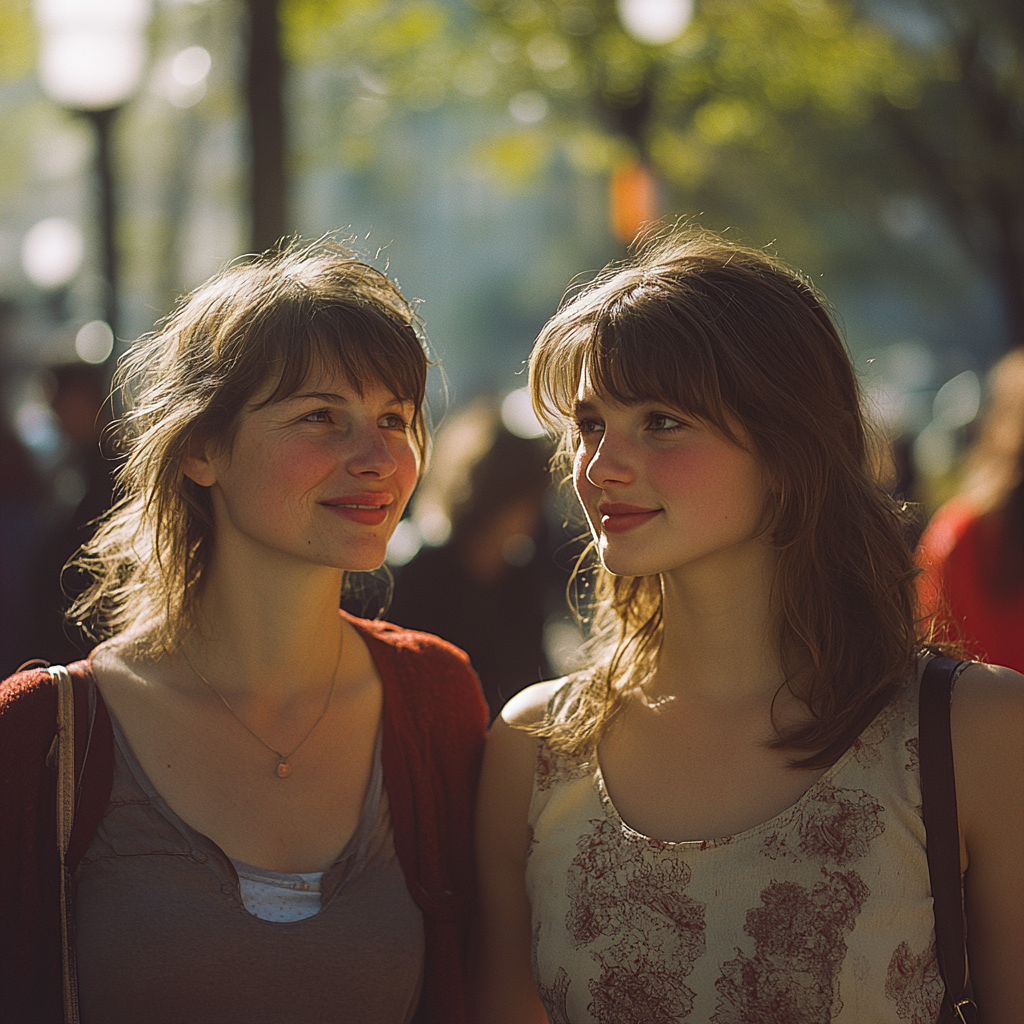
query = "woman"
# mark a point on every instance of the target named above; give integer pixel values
(973, 549)
(719, 819)
(274, 809)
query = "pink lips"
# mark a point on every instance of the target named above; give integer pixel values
(365, 509)
(618, 517)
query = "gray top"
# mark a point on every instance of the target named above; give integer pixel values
(163, 934)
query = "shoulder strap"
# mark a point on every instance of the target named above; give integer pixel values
(65, 822)
(938, 800)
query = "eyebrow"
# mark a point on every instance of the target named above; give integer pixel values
(320, 396)
(583, 407)
(330, 396)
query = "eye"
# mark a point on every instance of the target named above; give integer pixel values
(393, 421)
(663, 423)
(587, 426)
(319, 416)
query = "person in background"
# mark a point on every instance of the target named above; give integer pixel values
(82, 490)
(22, 495)
(273, 820)
(973, 548)
(718, 819)
(492, 584)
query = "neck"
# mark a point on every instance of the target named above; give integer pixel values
(719, 642)
(268, 633)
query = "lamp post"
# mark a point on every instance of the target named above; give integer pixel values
(91, 61)
(633, 185)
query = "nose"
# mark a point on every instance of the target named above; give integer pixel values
(371, 457)
(608, 465)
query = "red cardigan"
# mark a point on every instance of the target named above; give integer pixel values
(434, 723)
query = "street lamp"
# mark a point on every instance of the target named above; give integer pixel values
(91, 61)
(633, 185)
(655, 22)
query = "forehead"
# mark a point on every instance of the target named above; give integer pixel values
(326, 382)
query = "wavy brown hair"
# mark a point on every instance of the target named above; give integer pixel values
(731, 335)
(264, 324)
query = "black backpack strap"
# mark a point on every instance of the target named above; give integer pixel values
(938, 800)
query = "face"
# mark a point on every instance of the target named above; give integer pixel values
(664, 492)
(320, 477)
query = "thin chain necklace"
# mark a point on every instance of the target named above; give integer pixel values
(282, 769)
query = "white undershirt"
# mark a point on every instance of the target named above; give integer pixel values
(276, 895)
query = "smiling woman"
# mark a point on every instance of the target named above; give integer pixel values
(268, 825)
(719, 818)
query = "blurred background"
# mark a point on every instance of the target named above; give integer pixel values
(486, 153)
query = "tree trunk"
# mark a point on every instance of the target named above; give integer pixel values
(264, 84)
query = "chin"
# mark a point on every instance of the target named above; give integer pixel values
(362, 564)
(363, 559)
(619, 565)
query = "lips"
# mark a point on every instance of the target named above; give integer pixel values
(365, 509)
(618, 517)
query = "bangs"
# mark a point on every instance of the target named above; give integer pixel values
(630, 351)
(359, 343)
(293, 326)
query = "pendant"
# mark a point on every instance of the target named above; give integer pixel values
(283, 769)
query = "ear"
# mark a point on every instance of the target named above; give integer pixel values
(198, 464)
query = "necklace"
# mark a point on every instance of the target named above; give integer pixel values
(282, 769)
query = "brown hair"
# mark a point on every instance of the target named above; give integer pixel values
(271, 321)
(730, 334)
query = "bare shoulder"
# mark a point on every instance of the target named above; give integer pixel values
(988, 702)
(987, 724)
(512, 747)
(529, 706)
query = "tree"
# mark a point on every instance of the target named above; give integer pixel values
(966, 137)
(763, 112)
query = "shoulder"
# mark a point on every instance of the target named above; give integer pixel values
(988, 704)
(28, 722)
(412, 644)
(431, 679)
(987, 724)
(512, 746)
(27, 693)
(530, 706)
(408, 655)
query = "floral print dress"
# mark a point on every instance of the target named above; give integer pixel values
(821, 914)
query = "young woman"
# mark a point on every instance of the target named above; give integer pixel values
(274, 799)
(718, 820)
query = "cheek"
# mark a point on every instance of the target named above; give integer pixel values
(279, 477)
(406, 472)
(582, 486)
(719, 477)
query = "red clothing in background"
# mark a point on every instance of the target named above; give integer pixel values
(957, 552)
(434, 724)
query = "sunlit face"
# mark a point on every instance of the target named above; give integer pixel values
(664, 492)
(321, 476)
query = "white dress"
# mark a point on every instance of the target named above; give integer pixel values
(821, 914)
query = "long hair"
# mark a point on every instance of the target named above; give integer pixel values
(731, 335)
(267, 323)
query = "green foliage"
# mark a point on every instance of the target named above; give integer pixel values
(774, 114)
(17, 40)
